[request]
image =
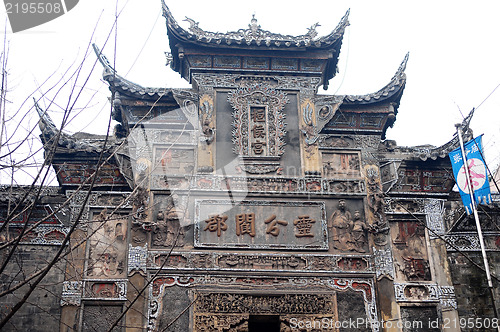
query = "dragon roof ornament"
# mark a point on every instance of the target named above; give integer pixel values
(255, 35)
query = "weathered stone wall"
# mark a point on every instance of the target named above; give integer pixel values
(471, 287)
(42, 310)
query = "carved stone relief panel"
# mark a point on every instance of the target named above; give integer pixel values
(236, 309)
(376, 211)
(348, 230)
(417, 180)
(173, 161)
(172, 221)
(341, 165)
(97, 289)
(410, 250)
(261, 224)
(335, 142)
(107, 246)
(72, 293)
(399, 205)
(409, 292)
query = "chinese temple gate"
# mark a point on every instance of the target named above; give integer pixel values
(250, 202)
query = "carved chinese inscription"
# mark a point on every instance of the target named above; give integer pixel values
(261, 224)
(303, 226)
(273, 228)
(258, 121)
(216, 223)
(245, 224)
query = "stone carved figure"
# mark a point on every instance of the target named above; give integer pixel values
(348, 234)
(168, 230)
(107, 246)
(341, 223)
(359, 229)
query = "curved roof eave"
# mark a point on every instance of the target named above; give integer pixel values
(431, 152)
(50, 132)
(391, 92)
(126, 87)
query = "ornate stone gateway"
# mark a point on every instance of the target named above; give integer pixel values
(252, 203)
(221, 303)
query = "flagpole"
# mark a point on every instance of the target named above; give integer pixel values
(470, 188)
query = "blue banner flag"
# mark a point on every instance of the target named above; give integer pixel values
(477, 171)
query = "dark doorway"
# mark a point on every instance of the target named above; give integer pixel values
(264, 323)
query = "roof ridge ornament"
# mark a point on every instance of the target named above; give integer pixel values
(253, 24)
(254, 34)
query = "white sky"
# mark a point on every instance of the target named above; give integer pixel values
(454, 56)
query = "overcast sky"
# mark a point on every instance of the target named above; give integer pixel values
(454, 55)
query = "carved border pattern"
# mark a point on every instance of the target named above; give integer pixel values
(258, 94)
(445, 295)
(301, 263)
(72, 293)
(467, 242)
(42, 235)
(157, 287)
(434, 209)
(384, 263)
(418, 204)
(137, 258)
(272, 185)
(306, 85)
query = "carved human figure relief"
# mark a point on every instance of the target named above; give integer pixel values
(107, 247)
(348, 233)
(168, 230)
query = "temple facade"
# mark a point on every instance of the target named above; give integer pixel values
(248, 202)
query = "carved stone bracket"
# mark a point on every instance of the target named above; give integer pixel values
(409, 292)
(72, 293)
(137, 258)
